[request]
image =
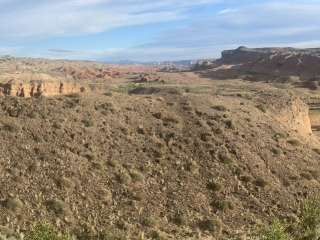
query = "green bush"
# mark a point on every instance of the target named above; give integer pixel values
(129, 87)
(277, 231)
(309, 224)
(46, 232)
(307, 227)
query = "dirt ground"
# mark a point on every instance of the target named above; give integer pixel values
(183, 158)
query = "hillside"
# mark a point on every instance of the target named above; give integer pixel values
(166, 162)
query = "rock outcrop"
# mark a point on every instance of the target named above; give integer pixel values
(38, 88)
(295, 115)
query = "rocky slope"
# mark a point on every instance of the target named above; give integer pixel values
(277, 64)
(172, 165)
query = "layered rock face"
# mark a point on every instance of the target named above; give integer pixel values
(295, 115)
(268, 64)
(283, 61)
(37, 89)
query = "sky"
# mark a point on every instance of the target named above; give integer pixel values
(146, 30)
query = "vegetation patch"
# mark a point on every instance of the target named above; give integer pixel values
(46, 232)
(294, 142)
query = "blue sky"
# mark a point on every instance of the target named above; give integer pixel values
(144, 30)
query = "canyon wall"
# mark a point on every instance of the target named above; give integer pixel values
(295, 116)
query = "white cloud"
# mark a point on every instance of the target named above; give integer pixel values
(227, 10)
(266, 23)
(76, 17)
(8, 50)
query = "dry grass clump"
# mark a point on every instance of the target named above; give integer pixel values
(58, 206)
(65, 183)
(149, 221)
(220, 108)
(180, 219)
(14, 204)
(193, 167)
(88, 122)
(225, 158)
(214, 186)
(262, 108)
(221, 205)
(113, 163)
(276, 151)
(307, 176)
(245, 178)
(10, 127)
(213, 226)
(124, 177)
(136, 176)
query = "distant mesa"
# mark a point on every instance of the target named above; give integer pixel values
(269, 64)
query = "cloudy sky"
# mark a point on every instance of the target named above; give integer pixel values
(145, 30)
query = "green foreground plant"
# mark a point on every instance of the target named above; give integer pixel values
(306, 227)
(46, 232)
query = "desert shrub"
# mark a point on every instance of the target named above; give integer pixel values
(130, 88)
(294, 142)
(245, 178)
(262, 108)
(237, 171)
(219, 108)
(57, 206)
(124, 177)
(277, 231)
(136, 176)
(211, 225)
(214, 186)
(260, 182)
(88, 122)
(279, 136)
(315, 173)
(306, 175)
(229, 124)
(276, 151)
(149, 221)
(46, 232)
(225, 158)
(113, 163)
(180, 220)
(10, 127)
(193, 167)
(159, 235)
(221, 205)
